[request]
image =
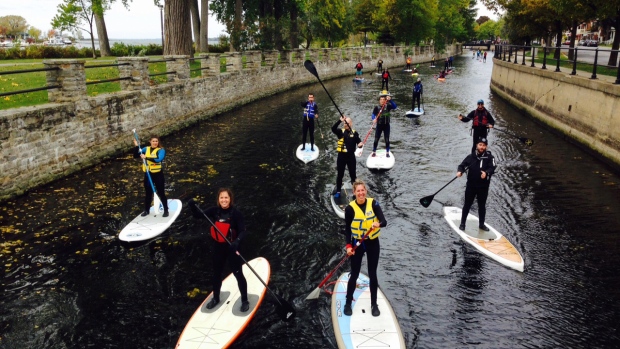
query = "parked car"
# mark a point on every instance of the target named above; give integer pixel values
(582, 42)
(592, 43)
(567, 42)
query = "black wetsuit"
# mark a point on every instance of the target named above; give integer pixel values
(370, 247)
(379, 66)
(222, 251)
(476, 186)
(383, 124)
(385, 80)
(158, 181)
(480, 125)
(417, 92)
(346, 153)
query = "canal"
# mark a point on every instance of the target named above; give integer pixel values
(68, 282)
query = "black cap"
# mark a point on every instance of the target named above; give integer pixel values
(483, 140)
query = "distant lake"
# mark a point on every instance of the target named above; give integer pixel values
(157, 41)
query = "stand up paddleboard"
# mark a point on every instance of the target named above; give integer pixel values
(414, 74)
(361, 329)
(414, 113)
(407, 70)
(346, 196)
(441, 79)
(490, 243)
(148, 227)
(432, 66)
(380, 161)
(219, 327)
(358, 80)
(307, 155)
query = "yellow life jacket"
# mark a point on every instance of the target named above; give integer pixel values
(362, 221)
(341, 147)
(154, 167)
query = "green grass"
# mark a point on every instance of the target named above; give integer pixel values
(568, 65)
(25, 81)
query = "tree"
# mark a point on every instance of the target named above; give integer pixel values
(362, 17)
(102, 35)
(482, 19)
(177, 28)
(78, 14)
(609, 12)
(13, 25)
(34, 33)
(193, 8)
(204, 26)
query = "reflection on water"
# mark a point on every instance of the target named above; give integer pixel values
(67, 281)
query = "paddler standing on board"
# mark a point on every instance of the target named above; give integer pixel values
(381, 118)
(482, 121)
(311, 112)
(154, 156)
(481, 165)
(360, 216)
(229, 221)
(348, 141)
(358, 69)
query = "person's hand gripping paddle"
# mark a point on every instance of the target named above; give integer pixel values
(159, 207)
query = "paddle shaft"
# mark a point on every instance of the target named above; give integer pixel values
(344, 259)
(312, 69)
(278, 298)
(377, 118)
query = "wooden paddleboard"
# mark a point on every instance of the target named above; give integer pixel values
(441, 79)
(414, 113)
(307, 155)
(490, 243)
(346, 196)
(219, 327)
(361, 329)
(380, 161)
(148, 227)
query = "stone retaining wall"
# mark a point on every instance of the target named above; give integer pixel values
(583, 109)
(42, 143)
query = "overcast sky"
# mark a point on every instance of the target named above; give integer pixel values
(140, 21)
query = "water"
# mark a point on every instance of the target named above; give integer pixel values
(67, 282)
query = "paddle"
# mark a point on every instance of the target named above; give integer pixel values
(322, 138)
(526, 141)
(317, 291)
(426, 201)
(360, 151)
(284, 309)
(156, 200)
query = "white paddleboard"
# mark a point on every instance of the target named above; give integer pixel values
(380, 161)
(407, 70)
(346, 196)
(358, 80)
(219, 327)
(432, 66)
(414, 113)
(490, 243)
(307, 155)
(148, 227)
(361, 329)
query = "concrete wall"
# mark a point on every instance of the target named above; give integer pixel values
(43, 143)
(576, 106)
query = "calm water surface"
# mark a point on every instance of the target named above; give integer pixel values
(68, 282)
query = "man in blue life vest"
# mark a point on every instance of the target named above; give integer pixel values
(417, 92)
(311, 112)
(480, 166)
(482, 122)
(358, 68)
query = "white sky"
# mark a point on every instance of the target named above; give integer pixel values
(141, 21)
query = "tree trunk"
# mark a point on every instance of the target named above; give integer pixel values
(204, 25)
(235, 37)
(613, 57)
(178, 30)
(558, 40)
(293, 34)
(278, 8)
(193, 7)
(102, 33)
(573, 33)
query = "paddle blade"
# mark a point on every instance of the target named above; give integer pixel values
(285, 310)
(359, 151)
(311, 68)
(426, 201)
(314, 294)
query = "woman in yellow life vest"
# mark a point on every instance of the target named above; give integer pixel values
(360, 216)
(154, 155)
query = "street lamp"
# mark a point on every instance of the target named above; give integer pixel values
(161, 15)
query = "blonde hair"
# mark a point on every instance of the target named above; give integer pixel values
(359, 182)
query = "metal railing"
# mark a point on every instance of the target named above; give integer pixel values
(25, 71)
(105, 66)
(507, 52)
